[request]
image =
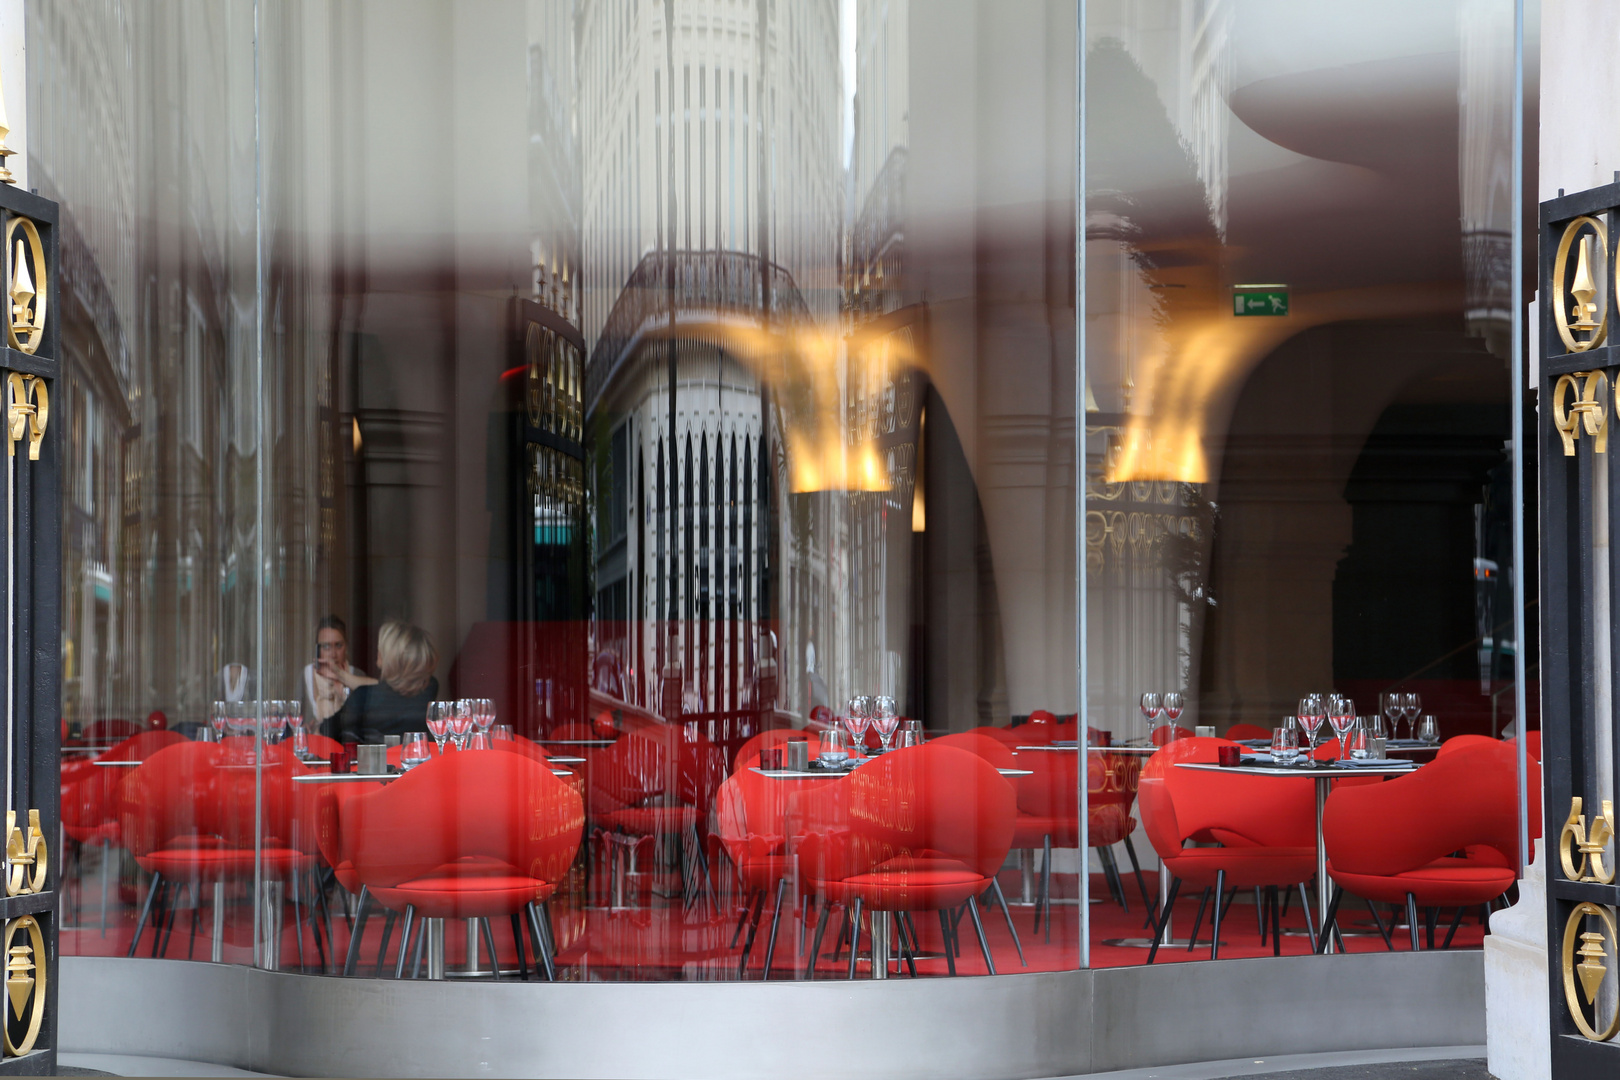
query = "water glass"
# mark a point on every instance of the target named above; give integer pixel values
(413, 749)
(1428, 730)
(503, 733)
(909, 736)
(1361, 737)
(831, 751)
(1285, 743)
(480, 740)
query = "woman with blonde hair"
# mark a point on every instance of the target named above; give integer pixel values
(397, 702)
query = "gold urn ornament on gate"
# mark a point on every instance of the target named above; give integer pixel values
(1581, 304)
(1590, 971)
(25, 983)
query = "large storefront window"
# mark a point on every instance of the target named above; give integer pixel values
(595, 488)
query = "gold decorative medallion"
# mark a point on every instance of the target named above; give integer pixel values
(1589, 410)
(25, 981)
(1576, 310)
(28, 285)
(1590, 970)
(28, 412)
(1590, 844)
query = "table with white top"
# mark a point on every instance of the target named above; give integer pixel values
(1323, 773)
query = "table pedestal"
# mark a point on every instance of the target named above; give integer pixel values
(881, 921)
(1323, 886)
(270, 926)
(217, 949)
(435, 949)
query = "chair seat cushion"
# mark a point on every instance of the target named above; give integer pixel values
(909, 883)
(651, 820)
(451, 896)
(1247, 867)
(218, 863)
(763, 871)
(1442, 883)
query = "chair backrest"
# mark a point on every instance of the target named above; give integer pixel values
(993, 750)
(930, 801)
(1461, 742)
(655, 759)
(751, 811)
(1233, 808)
(1247, 731)
(90, 800)
(173, 794)
(1458, 800)
(507, 807)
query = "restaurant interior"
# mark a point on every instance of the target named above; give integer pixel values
(580, 491)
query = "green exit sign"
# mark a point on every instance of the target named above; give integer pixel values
(1259, 300)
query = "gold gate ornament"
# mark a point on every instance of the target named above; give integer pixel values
(27, 861)
(1589, 410)
(1590, 844)
(25, 981)
(1590, 970)
(28, 412)
(1574, 309)
(28, 286)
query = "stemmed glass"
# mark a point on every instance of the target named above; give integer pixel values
(461, 722)
(275, 719)
(857, 718)
(295, 719)
(1412, 708)
(483, 713)
(1312, 711)
(1152, 705)
(1389, 705)
(438, 721)
(216, 719)
(1173, 704)
(885, 717)
(1342, 715)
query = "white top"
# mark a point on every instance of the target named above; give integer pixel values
(312, 705)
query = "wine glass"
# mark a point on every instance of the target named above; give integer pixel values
(1173, 704)
(438, 721)
(1389, 705)
(295, 720)
(1414, 709)
(483, 711)
(1428, 730)
(216, 719)
(461, 721)
(1312, 711)
(885, 717)
(1152, 705)
(1342, 715)
(857, 718)
(275, 719)
(413, 750)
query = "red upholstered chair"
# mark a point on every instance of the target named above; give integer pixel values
(1393, 842)
(1239, 732)
(1463, 742)
(189, 821)
(1264, 826)
(921, 829)
(89, 794)
(751, 826)
(658, 780)
(321, 746)
(471, 835)
(102, 730)
(979, 741)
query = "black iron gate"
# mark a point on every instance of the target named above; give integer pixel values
(30, 363)
(1580, 512)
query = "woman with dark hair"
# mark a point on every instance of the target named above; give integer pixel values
(397, 702)
(323, 694)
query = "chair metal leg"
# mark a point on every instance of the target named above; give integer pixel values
(1149, 901)
(909, 950)
(1203, 902)
(1430, 917)
(1330, 920)
(171, 899)
(995, 887)
(1046, 888)
(421, 945)
(945, 936)
(776, 919)
(404, 941)
(106, 870)
(544, 945)
(1412, 919)
(1389, 945)
(843, 935)
(196, 911)
(984, 942)
(1116, 887)
(821, 928)
(1164, 917)
(1276, 920)
(357, 930)
(298, 922)
(517, 943)
(1260, 915)
(1305, 906)
(753, 931)
(1215, 926)
(742, 921)
(854, 936)
(489, 943)
(388, 932)
(328, 951)
(1454, 924)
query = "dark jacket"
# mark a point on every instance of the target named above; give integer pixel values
(374, 711)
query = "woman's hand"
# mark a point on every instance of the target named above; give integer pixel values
(344, 675)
